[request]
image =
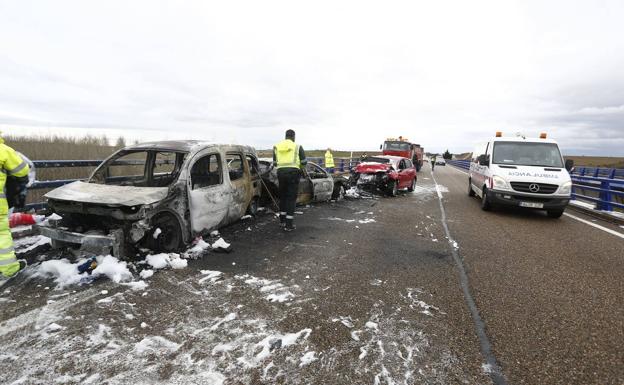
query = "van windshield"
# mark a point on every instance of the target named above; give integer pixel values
(527, 154)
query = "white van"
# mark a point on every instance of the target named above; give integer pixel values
(519, 171)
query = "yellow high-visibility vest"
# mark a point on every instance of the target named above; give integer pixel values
(10, 164)
(329, 160)
(287, 154)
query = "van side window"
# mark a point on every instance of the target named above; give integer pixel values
(236, 169)
(206, 172)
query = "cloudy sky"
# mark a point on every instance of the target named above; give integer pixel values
(344, 74)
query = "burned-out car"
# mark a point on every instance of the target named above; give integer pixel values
(315, 184)
(384, 173)
(156, 195)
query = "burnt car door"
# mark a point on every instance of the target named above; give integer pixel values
(322, 183)
(254, 174)
(240, 184)
(209, 194)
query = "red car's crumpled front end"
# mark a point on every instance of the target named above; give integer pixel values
(374, 176)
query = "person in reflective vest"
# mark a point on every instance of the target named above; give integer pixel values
(289, 158)
(329, 161)
(13, 181)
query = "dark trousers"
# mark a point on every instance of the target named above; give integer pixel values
(288, 179)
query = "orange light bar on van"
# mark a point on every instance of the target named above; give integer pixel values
(543, 135)
(499, 134)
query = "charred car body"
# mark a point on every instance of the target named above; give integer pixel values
(385, 174)
(156, 195)
(315, 185)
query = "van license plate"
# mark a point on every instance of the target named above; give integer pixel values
(532, 205)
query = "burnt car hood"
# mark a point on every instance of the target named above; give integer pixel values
(109, 195)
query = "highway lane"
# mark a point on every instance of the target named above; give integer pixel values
(551, 292)
(367, 290)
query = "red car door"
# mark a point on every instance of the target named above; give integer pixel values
(405, 180)
(410, 173)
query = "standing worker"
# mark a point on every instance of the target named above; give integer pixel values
(433, 160)
(329, 161)
(289, 158)
(13, 180)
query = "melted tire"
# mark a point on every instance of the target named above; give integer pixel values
(170, 239)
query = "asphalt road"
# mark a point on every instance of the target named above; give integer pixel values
(363, 292)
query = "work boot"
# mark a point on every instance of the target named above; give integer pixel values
(289, 226)
(282, 218)
(22, 266)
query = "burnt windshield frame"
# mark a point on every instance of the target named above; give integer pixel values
(101, 175)
(554, 161)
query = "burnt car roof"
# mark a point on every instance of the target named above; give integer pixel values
(180, 145)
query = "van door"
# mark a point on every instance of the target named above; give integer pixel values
(209, 195)
(480, 175)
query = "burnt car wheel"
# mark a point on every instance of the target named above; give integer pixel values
(253, 207)
(339, 192)
(413, 186)
(169, 238)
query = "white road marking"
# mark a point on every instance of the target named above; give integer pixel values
(595, 225)
(459, 169)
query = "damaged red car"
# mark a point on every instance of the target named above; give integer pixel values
(385, 174)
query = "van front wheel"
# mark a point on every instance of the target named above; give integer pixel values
(471, 192)
(485, 202)
(555, 213)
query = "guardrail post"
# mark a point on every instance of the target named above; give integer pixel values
(612, 174)
(605, 196)
(596, 171)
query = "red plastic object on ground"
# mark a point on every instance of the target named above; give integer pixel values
(22, 219)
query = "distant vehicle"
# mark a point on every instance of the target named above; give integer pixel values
(156, 195)
(404, 148)
(316, 185)
(440, 162)
(386, 174)
(519, 171)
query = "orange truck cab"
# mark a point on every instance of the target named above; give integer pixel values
(404, 148)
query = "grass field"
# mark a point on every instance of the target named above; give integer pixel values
(597, 161)
(59, 148)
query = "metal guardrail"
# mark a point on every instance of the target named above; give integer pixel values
(464, 164)
(606, 183)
